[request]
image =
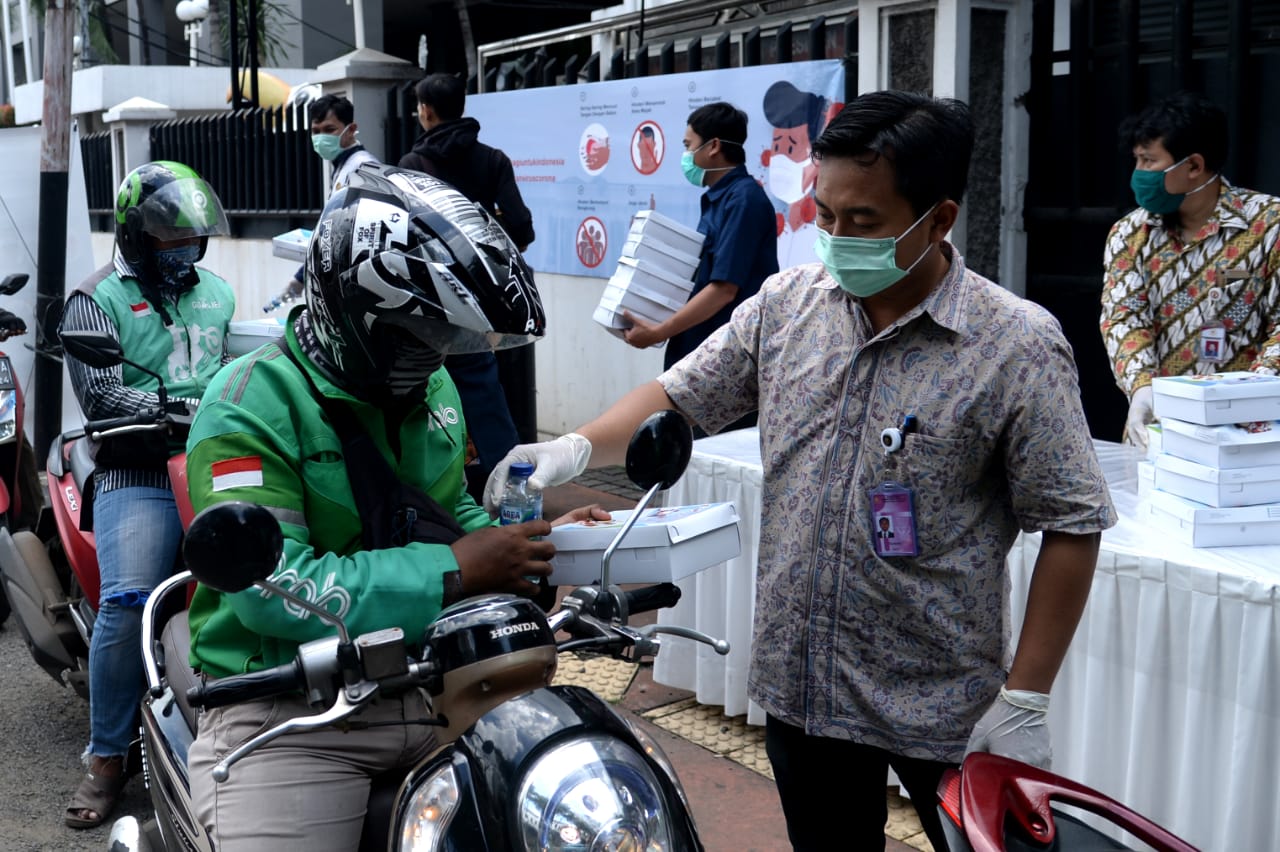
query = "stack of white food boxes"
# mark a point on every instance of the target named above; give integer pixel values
(1217, 463)
(654, 275)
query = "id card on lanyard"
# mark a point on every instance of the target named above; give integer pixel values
(893, 520)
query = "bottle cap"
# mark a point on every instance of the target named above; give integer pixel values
(521, 469)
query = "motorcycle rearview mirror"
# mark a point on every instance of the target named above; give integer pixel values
(102, 350)
(659, 450)
(12, 283)
(232, 546)
(98, 349)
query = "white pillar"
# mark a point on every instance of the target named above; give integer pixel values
(130, 125)
(951, 76)
(24, 7)
(9, 81)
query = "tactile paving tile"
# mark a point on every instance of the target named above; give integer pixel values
(904, 824)
(607, 677)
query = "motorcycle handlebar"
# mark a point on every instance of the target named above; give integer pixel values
(145, 417)
(246, 687)
(661, 596)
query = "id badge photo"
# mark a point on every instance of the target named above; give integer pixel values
(893, 520)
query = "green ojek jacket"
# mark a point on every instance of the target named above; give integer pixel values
(260, 436)
(187, 353)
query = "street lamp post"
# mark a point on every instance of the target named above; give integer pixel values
(192, 13)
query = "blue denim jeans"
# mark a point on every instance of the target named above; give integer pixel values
(137, 531)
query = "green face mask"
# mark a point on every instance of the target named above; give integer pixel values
(864, 266)
(1148, 189)
(328, 145)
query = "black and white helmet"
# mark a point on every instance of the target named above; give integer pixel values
(399, 251)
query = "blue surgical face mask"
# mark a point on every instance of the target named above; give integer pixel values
(328, 145)
(175, 265)
(1148, 189)
(864, 266)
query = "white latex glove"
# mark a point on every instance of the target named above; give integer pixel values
(1015, 726)
(554, 463)
(1141, 412)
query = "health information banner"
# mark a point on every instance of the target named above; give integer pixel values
(588, 156)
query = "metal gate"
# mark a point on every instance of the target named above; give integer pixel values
(1122, 55)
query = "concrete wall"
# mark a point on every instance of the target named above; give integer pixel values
(581, 368)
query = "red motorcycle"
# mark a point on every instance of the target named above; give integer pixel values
(21, 497)
(994, 804)
(51, 575)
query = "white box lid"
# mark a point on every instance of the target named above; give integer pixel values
(1218, 476)
(628, 266)
(291, 245)
(1218, 386)
(1198, 513)
(671, 224)
(657, 527)
(270, 327)
(1226, 435)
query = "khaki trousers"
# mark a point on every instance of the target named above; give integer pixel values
(303, 791)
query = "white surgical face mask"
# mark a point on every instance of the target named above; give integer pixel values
(786, 178)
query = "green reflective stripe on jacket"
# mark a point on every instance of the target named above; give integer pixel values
(187, 353)
(260, 415)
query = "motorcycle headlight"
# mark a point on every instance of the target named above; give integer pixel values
(592, 793)
(431, 809)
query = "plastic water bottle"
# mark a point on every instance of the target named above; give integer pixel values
(520, 501)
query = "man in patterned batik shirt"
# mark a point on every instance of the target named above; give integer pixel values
(1192, 274)
(866, 656)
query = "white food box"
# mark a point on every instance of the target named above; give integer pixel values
(1146, 479)
(1202, 526)
(652, 225)
(244, 336)
(292, 245)
(1216, 487)
(1229, 447)
(661, 255)
(1155, 441)
(648, 291)
(665, 545)
(1218, 398)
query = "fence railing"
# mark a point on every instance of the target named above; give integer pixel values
(99, 184)
(258, 161)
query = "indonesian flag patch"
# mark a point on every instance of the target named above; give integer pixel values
(140, 310)
(244, 472)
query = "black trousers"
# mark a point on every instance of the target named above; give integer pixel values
(833, 791)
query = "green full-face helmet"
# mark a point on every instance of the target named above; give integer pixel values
(169, 201)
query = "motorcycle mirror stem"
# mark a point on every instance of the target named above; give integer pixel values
(657, 456)
(102, 350)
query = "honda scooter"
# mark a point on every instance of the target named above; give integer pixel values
(51, 577)
(994, 804)
(520, 764)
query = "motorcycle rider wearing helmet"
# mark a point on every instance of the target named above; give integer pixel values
(336, 429)
(170, 317)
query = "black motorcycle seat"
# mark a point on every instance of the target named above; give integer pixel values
(176, 641)
(81, 464)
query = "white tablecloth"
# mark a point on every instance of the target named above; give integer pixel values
(1168, 700)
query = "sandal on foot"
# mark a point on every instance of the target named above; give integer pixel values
(97, 794)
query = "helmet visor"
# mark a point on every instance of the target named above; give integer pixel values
(183, 208)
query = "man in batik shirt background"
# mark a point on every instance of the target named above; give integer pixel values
(1193, 274)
